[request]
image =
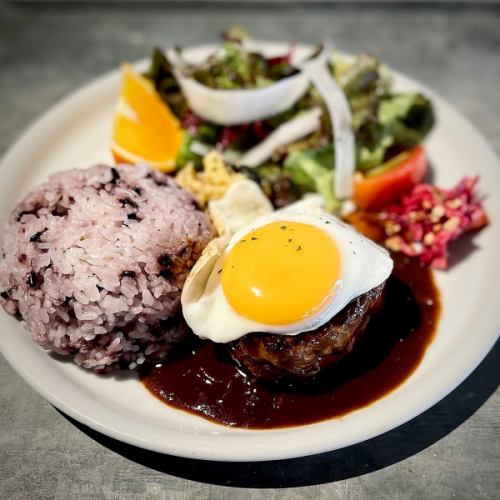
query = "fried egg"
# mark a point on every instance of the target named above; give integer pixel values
(284, 272)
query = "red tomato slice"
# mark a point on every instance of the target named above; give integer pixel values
(385, 184)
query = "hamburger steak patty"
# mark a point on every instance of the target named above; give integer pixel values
(273, 357)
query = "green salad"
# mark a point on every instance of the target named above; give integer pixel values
(385, 122)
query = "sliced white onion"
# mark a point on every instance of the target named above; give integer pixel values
(237, 106)
(340, 114)
(296, 128)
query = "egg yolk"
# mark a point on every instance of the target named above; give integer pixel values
(281, 273)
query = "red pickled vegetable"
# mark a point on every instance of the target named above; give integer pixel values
(427, 219)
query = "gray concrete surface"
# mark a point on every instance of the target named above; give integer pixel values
(451, 451)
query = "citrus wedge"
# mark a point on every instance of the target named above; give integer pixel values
(144, 128)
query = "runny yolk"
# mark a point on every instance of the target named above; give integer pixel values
(281, 273)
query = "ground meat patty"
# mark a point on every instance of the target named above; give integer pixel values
(273, 357)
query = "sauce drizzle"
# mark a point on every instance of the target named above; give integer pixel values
(207, 383)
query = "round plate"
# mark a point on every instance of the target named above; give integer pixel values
(75, 133)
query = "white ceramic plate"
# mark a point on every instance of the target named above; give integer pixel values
(75, 133)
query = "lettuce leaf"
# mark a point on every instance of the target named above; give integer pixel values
(185, 155)
(408, 118)
(311, 170)
(402, 121)
(385, 123)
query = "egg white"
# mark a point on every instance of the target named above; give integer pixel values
(364, 265)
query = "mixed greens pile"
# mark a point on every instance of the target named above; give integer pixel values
(385, 123)
(234, 67)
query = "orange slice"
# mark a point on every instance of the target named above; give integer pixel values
(144, 128)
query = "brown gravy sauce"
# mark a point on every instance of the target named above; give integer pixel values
(206, 382)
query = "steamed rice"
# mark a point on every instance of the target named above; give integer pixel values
(94, 262)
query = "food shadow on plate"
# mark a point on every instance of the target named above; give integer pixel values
(118, 375)
(429, 176)
(462, 248)
(374, 454)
